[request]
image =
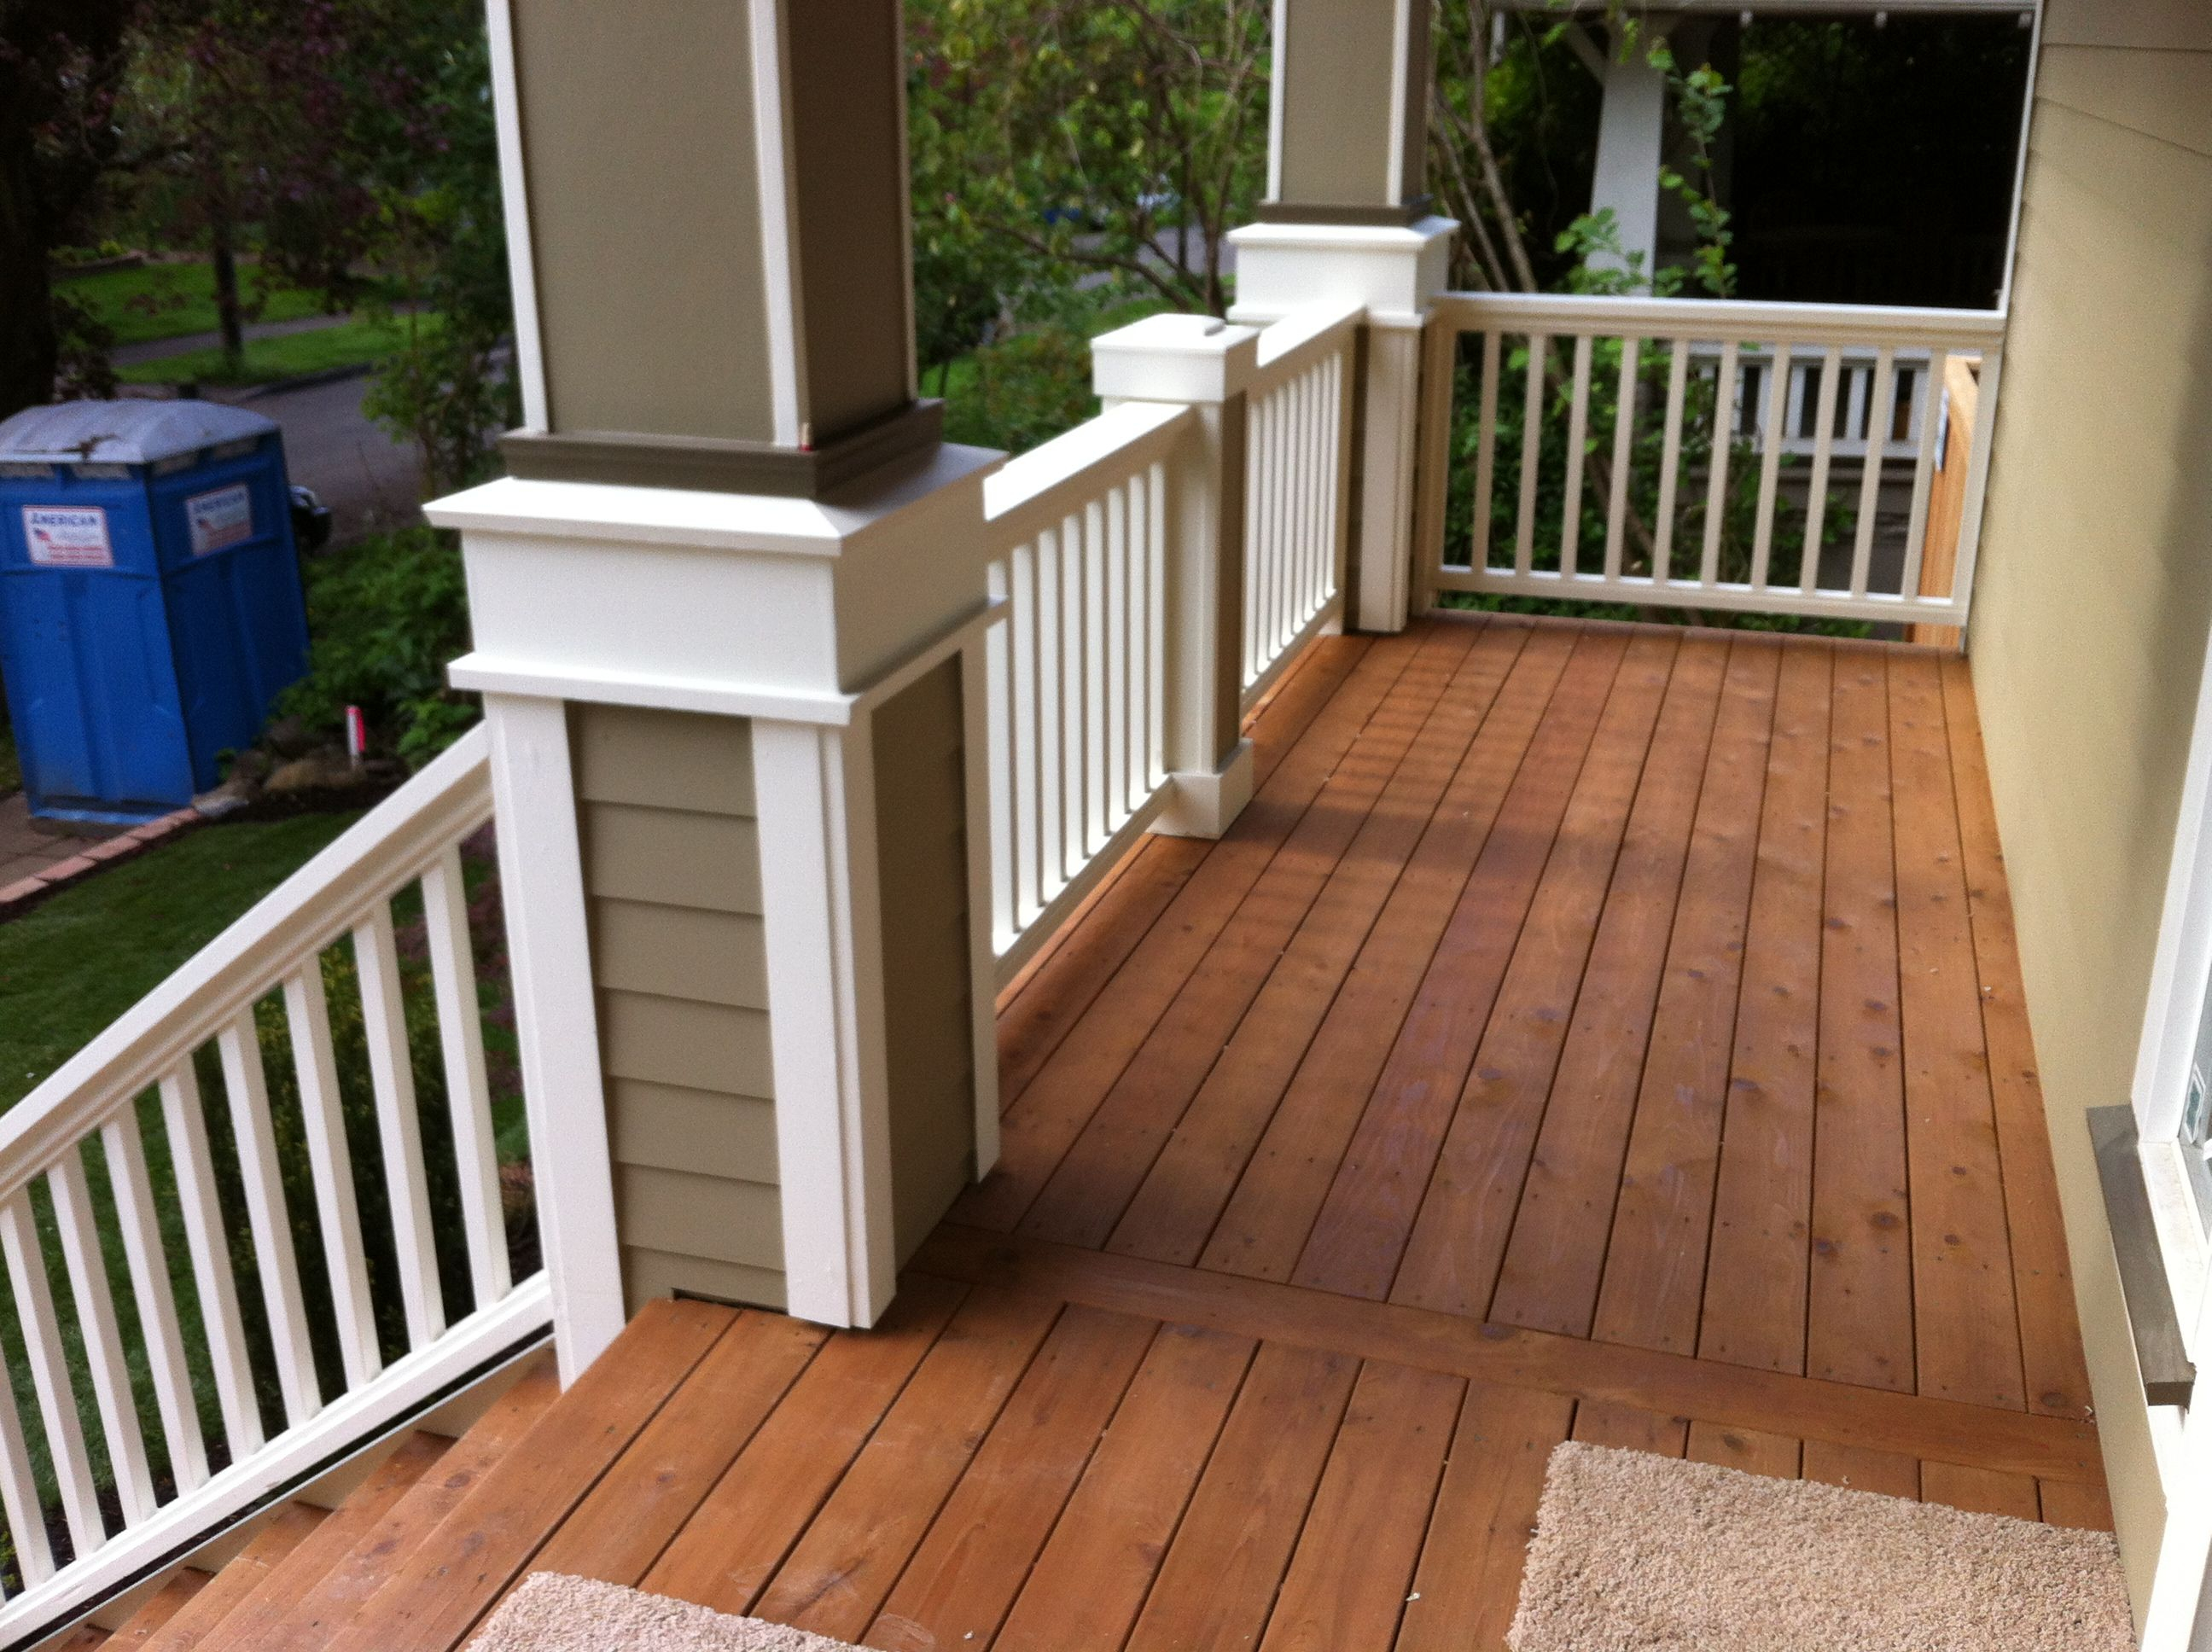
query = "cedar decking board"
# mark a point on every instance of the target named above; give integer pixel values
(1590, 1031)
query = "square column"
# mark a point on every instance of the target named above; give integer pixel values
(1348, 138)
(737, 754)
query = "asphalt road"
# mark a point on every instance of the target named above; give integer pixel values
(370, 481)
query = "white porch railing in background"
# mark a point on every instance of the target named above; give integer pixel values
(1078, 661)
(1667, 471)
(1077, 666)
(162, 1165)
(1297, 470)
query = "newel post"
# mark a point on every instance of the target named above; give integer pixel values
(1206, 365)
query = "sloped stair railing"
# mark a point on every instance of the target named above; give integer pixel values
(243, 1234)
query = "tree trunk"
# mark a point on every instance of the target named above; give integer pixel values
(27, 345)
(222, 236)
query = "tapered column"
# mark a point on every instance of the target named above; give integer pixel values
(707, 209)
(726, 610)
(1345, 222)
(1349, 140)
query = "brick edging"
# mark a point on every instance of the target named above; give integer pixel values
(19, 897)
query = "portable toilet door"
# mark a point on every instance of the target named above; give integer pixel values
(149, 598)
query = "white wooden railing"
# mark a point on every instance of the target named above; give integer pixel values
(1298, 474)
(122, 1462)
(1077, 664)
(1667, 470)
(1104, 540)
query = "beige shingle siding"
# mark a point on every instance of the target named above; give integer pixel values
(672, 874)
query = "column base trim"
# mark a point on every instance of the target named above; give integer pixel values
(1205, 805)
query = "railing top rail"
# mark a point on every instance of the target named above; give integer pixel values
(1033, 489)
(1750, 320)
(1288, 346)
(451, 797)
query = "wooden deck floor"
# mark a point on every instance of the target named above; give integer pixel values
(1592, 1031)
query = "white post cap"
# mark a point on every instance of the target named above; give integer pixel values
(1174, 358)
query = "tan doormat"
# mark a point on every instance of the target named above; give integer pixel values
(1642, 1552)
(554, 1613)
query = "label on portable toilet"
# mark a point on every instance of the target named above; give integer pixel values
(68, 536)
(220, 519)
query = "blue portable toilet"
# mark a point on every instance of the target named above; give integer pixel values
(150, 606)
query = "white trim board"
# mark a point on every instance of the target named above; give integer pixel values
(515, 197)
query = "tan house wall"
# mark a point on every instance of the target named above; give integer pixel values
(672, 877)
(2094, 593)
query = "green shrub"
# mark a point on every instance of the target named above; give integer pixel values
(385, 616)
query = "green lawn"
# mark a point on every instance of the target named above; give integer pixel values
(11, 770)
(72, 965)
(174, 300)
(349, 344)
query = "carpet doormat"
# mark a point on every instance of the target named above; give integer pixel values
(552, 1612)
(1642, 1552)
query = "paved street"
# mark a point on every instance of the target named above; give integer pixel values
(368, 481)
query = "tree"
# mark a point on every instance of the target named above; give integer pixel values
(1124, 137)
(430, 165)
(61, 65)
(1474, 176)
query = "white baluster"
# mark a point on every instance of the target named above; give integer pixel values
(104, 1357)
(204, 1237)
(140, 1228)
(1098, 700)
(999, 695)
(1023, 624)
(1486, 451)
(1051, 721)
(399, 1124)
(1571, 519)
(1924, 468)
(19, 1493)
(1075, 665)
(1877, 439)
(1716, 480)
(1670, 463)
(1824, 437)
(1115, 549)
(239, 1047)
(468, 1090)
(1156, 647)
(42, 1342)
(330, 1157)
(1770, 464)
(1532, 443)
(1624, 456)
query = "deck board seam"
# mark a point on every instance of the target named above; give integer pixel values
(1415, 644)
(1243, 901)
(1521, 932)
(1374, 916)
(1766, 1401)
(1590, 953)
(1417, 976)
(1375, 1096)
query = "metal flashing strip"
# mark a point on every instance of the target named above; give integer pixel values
(2168, 1375)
